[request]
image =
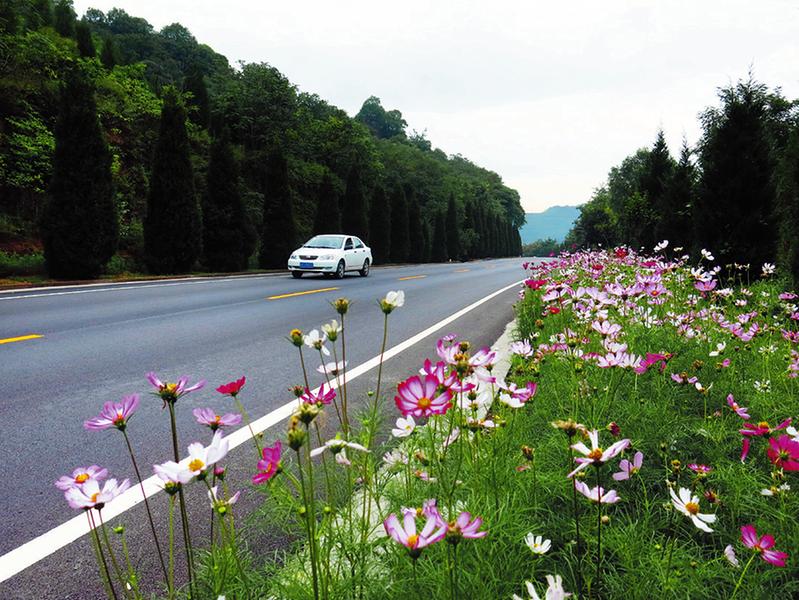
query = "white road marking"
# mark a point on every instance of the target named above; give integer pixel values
(31, 552)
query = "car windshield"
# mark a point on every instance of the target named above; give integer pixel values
(324, 241)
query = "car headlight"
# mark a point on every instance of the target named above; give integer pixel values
(327, 257)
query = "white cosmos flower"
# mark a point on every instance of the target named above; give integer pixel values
(405, 427)
(729, 554)
(316, 340)
(201, 457)
(394, 299)
(332, 329)
(688, 504)
(537, 543)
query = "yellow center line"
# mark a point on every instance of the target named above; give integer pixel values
(461, 270)
(411, 277)
(21, 338)
(330, 289)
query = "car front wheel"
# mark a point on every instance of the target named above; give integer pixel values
(296, 274)
(365, 271)
(340, 270)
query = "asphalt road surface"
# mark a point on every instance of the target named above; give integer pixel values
(97, 342)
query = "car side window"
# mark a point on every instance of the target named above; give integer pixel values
(358, 243)
(348, 244)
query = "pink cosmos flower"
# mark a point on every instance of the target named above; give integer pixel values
(439, 371)
(791, 336)
(269, 466)
(463, 526)
(405, 533)
(90, 495)
(421, 398)
(628, 469)
(683, 379)
(762, 545)
(738, 410)
(729, 554)
(758, 430)
(596, 455)
(523, 394)
(114, 414)
(706, 286)
(521, 348)
(170, 392)
(324, 395)
(597, 494)
(784, 453)
(209, 418)
(606, 329)
(699, 469)
(653, 359)
(80, 476)
(233, 388)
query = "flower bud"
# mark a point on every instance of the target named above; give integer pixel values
(119, 529)
(308, 412)
(297, 390)
(296, 435)
(296, 337)
(605, 519)
(341, 305)
(528, 452)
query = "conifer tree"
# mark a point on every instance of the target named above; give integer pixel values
(172, 227)
(427, 236)
(788, 208)
(108, 54)
(380, 226)
(224, 216)
(64, 18)
(199, 104)
(453, 231)
(9, 18)
(439, 241)
(674, 223)
(354, 217)
(79, 226)
(83, 35)
(400, 234)
(657, 174)
(278, 233)
(417, 249)
(328, 214)
(41, 14)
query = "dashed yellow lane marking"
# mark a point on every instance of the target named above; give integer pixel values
(330, 289)
(21, 338)
(411, 277)
(461, 270)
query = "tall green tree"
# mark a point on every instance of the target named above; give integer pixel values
(787, 208)
(108, 54)
(225, 223)
(733, 211)
(83, 35)
(415, 230)
(354, 217)
(380, 226)
(400, 232)
(199, 103)
(279, 231)
(40, 14)
(439, 241)
(9, 18)
(654, 182)
(383, 124)
(64, 18)
(453, 230)
(173, 226)
(328, 215)
(674, 222)
(79, 226)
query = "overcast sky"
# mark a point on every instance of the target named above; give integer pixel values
(548, 95)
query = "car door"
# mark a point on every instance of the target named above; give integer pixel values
(350, 258)
(360, 253)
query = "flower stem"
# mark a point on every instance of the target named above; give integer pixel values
(249, 425)
(146, 503)
(117, 569)
(576, 526)
(598, 527)
(98, 551)
(184, 517)
(741, 578)
(170, 580)
(382, 352)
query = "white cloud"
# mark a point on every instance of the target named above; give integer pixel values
(549, 96)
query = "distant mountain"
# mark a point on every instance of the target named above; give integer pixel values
(554, 222)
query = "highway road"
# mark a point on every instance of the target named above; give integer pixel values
(97, 342)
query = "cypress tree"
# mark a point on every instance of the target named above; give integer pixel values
(9, 19)
(108, 54)
(733, 214)
(453, 231)
(674, 223)
(400, 234)
(417, 248)
(354, 218)
(83, 35)
(380, 227)
(194, 82)
(224, 216)
(172, 227)
(278, 234)
(328, 215)
(654, 182)
(64, 18)
(788, 208)
(439, 242)
(79, 225)
(428, 242)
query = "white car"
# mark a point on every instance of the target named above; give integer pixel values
(331, 254)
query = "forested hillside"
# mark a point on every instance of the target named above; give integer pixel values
(191, 163)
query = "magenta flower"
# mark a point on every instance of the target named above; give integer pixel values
(170, 392)
(596, 455)
(706, 286)
(699, 469)
(652, 360)
(269, 466)
(762, 545)
(80, 476)
(421, 398)
(114, 414)
(738, 410)
(325, 395)
(597, 494)
(439, 370)
(463, 526)
(628, 469)
(90, 495)
(758, 430)
(209, 418)
(233, 388)
(784, 453)
(405, 533)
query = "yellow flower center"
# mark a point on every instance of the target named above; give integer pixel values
(196, 465)
(94, 497)
(692, 508)
(413, 540)
(763, 425)
(217, 418)
(595, 454)
(424, 403)
(171, 387)
(81, 478)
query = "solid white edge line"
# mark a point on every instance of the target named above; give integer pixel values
(31, 552)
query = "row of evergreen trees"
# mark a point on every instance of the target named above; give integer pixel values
(736, 193)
